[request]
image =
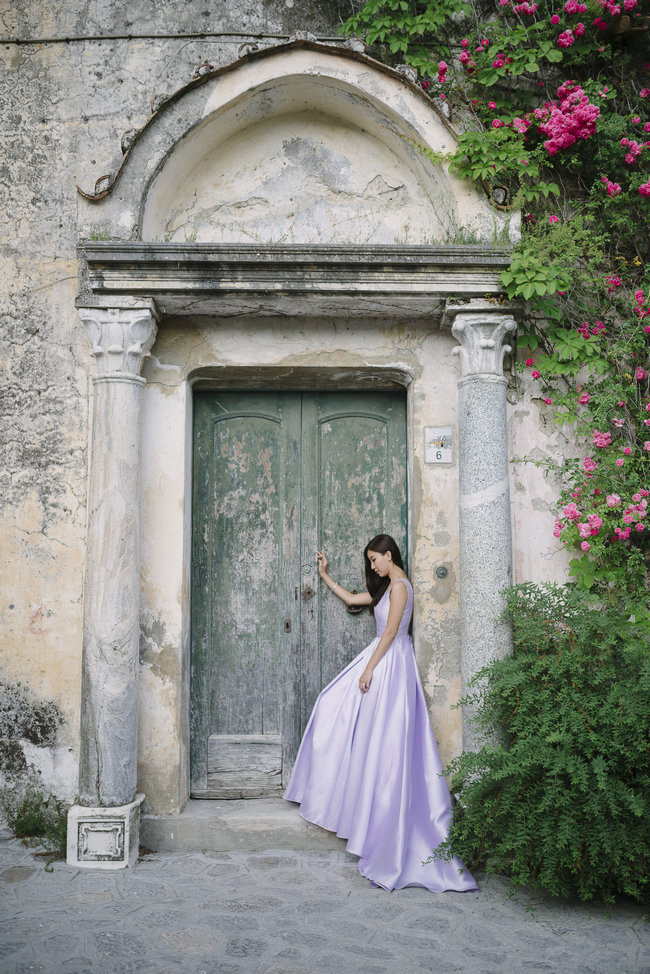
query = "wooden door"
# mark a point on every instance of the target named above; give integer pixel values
(276, 476)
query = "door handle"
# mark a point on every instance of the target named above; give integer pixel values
(308, 593)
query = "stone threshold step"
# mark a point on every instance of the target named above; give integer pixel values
(251, 825)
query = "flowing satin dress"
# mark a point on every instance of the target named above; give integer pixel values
(368, 768)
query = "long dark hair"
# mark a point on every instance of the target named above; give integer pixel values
(376, 585)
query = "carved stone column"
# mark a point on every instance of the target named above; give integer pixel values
(485, 533)
(103, 829)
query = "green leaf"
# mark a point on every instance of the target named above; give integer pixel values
(554, 56)
(488, 76)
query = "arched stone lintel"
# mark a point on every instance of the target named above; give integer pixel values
(348, 85)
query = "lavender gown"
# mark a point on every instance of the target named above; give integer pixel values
(368, 768)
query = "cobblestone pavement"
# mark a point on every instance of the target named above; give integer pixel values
(292, 913)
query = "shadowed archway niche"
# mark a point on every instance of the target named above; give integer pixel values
(276, 221)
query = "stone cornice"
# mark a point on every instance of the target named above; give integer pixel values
(196, 279)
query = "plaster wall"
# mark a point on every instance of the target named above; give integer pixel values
(533, 433)
(302, 177)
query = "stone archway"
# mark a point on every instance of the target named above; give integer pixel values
(130, 286)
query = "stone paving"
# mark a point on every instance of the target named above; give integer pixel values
(292, 913)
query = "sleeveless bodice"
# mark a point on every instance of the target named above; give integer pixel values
(383, 606)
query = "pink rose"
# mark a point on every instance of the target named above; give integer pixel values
(553, 218)
(646, 445)
(613, 500)
(627, 450)
(640, 373)
(602, 440)
(535, 374)
(620, 461)
(529, 361)
(548, 401)
(585, 546)
(566, 39)
(571, 512)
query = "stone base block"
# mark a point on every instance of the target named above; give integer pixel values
(104, 838)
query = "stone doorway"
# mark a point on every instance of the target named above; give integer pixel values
(340, 293)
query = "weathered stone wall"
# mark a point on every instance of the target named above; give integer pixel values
(66, 105)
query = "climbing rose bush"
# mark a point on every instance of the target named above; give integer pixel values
(572, 119)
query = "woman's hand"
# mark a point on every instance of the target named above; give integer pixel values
(322, 563)
(365, 679)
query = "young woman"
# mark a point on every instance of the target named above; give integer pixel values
(368, 767)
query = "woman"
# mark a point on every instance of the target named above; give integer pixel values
(368, 767)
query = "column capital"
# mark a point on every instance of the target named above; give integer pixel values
(480, 329)
(121, 332)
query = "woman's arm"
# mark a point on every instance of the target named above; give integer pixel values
(398, 597)
(362, 598)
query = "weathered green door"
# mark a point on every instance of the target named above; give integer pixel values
(276, 476)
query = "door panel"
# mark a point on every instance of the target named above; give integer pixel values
(276, 476)
(245, 558)
(244, 766)
(354, 478)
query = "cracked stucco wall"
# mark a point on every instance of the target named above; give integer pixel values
(64, 109)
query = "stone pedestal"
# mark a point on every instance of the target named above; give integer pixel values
(121, 336)
(485, 532)
(104, 838)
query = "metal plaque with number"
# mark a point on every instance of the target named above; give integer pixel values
(437, 444)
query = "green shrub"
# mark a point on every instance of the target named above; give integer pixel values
(33, 815)
(558, 795)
